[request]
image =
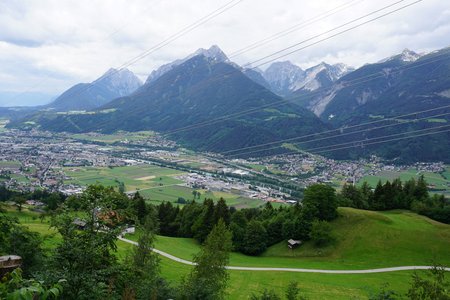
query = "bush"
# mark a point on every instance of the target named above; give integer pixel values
(321, 233)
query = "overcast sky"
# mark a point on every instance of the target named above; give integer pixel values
(48, 45)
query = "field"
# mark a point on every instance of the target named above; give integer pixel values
(439, 182)
(3, 123)
(113, 138)
(367, 240)
(154, 183)
(9, 164)
(134, 177)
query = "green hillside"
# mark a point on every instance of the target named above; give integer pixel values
(366, 240)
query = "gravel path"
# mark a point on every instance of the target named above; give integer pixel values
(367, 271)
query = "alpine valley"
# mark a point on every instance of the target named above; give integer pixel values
(205, 102)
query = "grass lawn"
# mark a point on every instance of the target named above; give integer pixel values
(134, 177)
(9, 164)
(116, 137)
(154, 183)
(366, 240)
(243, 284)
(370, 239)
(440, 181)
(173, 192)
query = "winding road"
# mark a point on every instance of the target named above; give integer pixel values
(367, 271)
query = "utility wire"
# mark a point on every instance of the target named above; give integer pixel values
(334, 35)
(368, 142)
(385, 141)
(350, 83)
(294, 28)
(166, 42)
(403, 122)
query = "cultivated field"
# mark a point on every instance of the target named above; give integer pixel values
(154, 183)
(439, 183)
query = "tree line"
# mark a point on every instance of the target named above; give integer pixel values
(51, 200)
(83, 264)
(412, 195)
(253, 229)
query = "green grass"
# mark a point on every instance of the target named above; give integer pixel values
(243, 284)
(366, 240)
(154, 183)
(364, 234)
(134, 177)
(116, 137)
(9, 164)
(256, 167)
(436, 120)
(20, 178)
(172, 193)
(439, 181)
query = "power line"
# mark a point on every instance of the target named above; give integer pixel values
(376, 138)
(294, 28)
(189, 127)
(350, 83)
(385, 141)
(367, 142)
(332, 136)
(334, 35)
(167, 41)
(104, 39)
(198, 23)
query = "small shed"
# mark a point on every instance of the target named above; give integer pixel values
(294, 243)
(79, 223)
(8, 263)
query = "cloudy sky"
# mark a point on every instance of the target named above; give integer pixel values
(48, 45)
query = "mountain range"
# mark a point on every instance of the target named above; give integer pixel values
(85, 96)
(206, 102)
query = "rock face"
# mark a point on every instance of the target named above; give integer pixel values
(85, 96)
(286, 78)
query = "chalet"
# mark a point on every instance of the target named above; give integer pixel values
(294, 243)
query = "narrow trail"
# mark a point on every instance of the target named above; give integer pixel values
(299, 270)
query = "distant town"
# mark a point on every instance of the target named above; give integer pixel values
(36, 159)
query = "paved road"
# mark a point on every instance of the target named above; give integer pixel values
(380, 270)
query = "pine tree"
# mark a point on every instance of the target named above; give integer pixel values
(204, 224)
(222, 212)
(208, 279)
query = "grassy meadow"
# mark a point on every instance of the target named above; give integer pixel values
(366, 240)
(439, 182)
(153, 182)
